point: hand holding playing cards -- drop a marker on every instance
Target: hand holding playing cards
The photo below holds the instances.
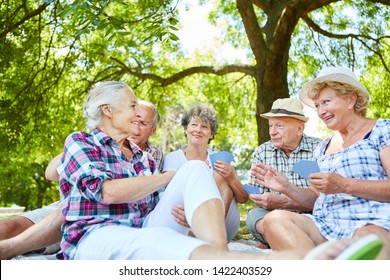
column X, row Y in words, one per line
column 223, row 169
column 268, row 201
column 328, row 182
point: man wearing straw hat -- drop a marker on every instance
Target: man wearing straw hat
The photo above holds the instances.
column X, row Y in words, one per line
column 287, row 146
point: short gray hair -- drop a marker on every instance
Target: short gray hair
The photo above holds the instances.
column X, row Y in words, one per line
column 206, row 113
column 103, row 93
column 156, row 114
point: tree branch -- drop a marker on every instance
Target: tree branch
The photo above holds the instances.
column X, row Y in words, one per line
column 219, row 71
column 319, row 30
column 252, row 29
column 384, row 2
column 359, row 37
column 26, row 17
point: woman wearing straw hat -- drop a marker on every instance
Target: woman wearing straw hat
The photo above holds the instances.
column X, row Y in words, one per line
column 353, row 186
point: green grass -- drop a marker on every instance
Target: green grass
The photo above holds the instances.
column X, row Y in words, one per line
column 243, row 231
column 7, row 216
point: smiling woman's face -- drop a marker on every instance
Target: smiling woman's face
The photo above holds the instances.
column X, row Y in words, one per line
column 332, row 109
column 124, row 117
column 198, row 131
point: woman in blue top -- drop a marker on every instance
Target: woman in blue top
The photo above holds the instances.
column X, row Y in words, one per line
column 351, row 194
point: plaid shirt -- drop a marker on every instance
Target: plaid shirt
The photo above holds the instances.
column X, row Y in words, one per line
column 157, row 155
column 340, row 215
column 270, row 155
column 88, row 160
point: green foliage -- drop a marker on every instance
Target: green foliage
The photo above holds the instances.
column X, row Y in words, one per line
column 378, row 82
column 48, row 66
column 354, row 38
column 118, row 18
column 50, row 61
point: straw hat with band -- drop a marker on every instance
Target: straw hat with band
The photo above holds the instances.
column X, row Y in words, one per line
column 286, row 107
column 334, row 74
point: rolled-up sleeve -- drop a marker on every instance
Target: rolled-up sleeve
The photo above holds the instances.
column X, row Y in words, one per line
column 83, row 168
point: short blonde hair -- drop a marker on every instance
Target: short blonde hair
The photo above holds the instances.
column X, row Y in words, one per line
column 342, row 90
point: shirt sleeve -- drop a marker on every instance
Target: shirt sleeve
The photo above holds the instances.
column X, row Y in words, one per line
column 82, row 168
column 384, row 136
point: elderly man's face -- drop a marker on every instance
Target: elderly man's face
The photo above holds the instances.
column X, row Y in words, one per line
column 146, row 129
column 285, row 132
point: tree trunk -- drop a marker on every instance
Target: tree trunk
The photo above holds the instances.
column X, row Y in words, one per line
column 271, row 85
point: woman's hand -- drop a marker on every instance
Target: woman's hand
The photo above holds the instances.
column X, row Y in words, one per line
column 328, row 182
column 224, row 169
column 179, row 215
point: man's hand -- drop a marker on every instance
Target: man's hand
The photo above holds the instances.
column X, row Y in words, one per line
column 268, row 201
column 270, row 178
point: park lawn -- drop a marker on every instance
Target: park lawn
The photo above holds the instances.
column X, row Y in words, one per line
column 243, row 232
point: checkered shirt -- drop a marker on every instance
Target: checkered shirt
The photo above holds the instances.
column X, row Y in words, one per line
column 88, row 160
column 268, row 154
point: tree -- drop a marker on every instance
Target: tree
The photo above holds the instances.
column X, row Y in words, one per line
column 378, row 82
column 52, row 52
column 43, row 84
column 272, row 26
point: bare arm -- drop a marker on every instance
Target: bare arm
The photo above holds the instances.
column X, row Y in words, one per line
column 51, row 170
column 236, row 186
column 272, row 201
column 118, row 191
column 38, row 236
column 378, row 190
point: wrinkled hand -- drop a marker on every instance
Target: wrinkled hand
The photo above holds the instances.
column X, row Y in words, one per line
column 179, row 215
column 327, row 182
column 270, row 178
column 224, row 169
column 268, row 201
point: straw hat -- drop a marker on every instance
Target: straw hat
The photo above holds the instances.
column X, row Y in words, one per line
column 286, row 107
column 335, row 74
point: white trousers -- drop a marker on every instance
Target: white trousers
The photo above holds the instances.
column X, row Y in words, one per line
column 195, row 196
column 161, row 236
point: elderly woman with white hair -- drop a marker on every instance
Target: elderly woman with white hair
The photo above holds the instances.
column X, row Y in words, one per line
column 353, row 186
column 111, row 189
